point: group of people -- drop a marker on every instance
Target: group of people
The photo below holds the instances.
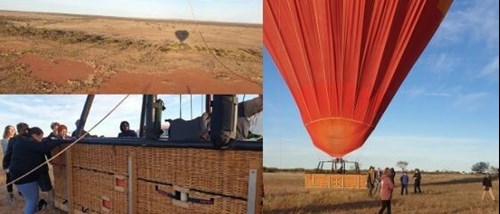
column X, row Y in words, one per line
column 23, row 153
column 382, row 181
column 374, row 178
column 27, row 149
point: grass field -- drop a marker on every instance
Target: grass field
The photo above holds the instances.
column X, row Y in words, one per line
column 442, row 193
column 62, row 53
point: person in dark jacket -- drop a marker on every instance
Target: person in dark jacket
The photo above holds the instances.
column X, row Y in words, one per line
column 22, row 128
column 246, row 110
column 417, row 177
column 126, row 132
column 83, row 133
column 405, row 180
column 487, row 187
column 28, row 153
column 54, row 126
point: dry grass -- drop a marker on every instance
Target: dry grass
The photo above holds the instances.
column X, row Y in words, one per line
column 446, row 193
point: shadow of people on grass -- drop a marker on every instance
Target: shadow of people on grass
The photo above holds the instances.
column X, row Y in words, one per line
column 459, row 181
column 332, row 208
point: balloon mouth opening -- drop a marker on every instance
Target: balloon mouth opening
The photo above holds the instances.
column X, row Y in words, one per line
column 338, row 136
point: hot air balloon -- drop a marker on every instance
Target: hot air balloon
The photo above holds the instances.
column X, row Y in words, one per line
column 344, row 60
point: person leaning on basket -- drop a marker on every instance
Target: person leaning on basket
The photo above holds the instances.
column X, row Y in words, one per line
column 126, row 131
column 28, row 153
column 246, row 110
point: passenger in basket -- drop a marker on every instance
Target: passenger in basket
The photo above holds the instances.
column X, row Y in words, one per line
column 246, row 110
column 27, row 154
column 126, row 132
column 82, row 133
column 54, row 126
column 62, row 132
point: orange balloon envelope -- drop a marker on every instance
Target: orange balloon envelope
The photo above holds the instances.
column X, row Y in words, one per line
column 344, row 60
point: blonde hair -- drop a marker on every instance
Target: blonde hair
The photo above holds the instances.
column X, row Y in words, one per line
column 7, row 129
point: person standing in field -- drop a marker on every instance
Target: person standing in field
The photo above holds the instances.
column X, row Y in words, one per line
column 370, row 178
column 386, row 191
column 487, row 187
column 405, row 180
column 417, row 177
column 378, row 177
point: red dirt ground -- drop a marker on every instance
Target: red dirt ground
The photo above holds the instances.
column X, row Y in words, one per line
column 177, row 82
column 58, row 71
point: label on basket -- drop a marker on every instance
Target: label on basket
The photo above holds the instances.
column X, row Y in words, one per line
column 106, row 204
column 120, row 183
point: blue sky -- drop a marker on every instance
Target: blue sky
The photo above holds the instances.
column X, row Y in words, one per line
column 41, row 110
column 444, row 116
column 244, row 11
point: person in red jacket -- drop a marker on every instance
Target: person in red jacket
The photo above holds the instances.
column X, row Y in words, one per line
column 386, row 191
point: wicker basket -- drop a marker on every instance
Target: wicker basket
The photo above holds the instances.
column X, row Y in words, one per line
column 221, row 172
column 150, row 200
column 100, row 179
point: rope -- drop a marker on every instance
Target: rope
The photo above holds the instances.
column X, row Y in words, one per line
column 70, row 145
column 211, row 53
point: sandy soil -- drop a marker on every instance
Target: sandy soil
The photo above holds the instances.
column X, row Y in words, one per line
column 57, row 53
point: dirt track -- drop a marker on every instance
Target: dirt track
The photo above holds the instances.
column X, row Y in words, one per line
column 56, row 53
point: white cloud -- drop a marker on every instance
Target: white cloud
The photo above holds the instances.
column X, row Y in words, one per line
column 471, row 101
column 421, row 91
column 471, row 20
column 490, row 69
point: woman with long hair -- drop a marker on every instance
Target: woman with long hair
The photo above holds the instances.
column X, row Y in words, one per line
column 28, row 153
column 8, row 133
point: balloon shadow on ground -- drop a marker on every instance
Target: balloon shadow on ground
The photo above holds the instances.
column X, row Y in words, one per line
column 182, row 35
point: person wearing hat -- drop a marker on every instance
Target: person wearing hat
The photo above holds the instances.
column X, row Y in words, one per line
column 126, row 132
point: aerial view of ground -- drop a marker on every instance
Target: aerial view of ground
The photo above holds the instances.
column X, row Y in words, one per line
column 64, row 53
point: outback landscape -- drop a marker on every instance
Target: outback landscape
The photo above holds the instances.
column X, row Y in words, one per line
column 62, row 53
column 441, row 193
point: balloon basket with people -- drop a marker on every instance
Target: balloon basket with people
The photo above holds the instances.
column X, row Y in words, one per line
column 213, row 172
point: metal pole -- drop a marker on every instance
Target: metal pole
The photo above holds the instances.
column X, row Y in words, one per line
column 149, row 116
column 208, row 103
column 84, row 115
column 143, row 116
